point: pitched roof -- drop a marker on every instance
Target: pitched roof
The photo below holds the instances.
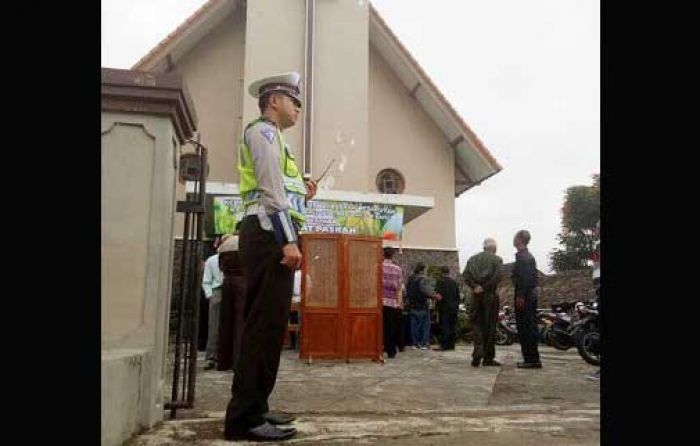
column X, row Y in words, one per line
column 207, row 16
column 473, row 161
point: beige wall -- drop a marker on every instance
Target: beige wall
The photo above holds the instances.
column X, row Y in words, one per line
column 402, row 136
column 340, row 92
column 274, row 44
column 213, row 73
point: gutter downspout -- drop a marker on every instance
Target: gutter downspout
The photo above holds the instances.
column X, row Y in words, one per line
column 307, row 134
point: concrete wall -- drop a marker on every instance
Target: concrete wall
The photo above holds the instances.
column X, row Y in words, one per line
column 124, row 376
column 403, row 137
column 139, row 162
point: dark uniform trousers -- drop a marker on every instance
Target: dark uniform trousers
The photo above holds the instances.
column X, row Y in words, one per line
column 485, row 320
column 269, row 286
column 526, row 321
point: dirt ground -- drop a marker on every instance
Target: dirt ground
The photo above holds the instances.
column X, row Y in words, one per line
column 418, row 398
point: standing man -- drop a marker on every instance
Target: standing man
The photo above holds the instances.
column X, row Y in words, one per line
column 232, row 303
column 212, row 280
column 391, row 296
column 447, row 287
column 274, row 195
column 524, row 278
column 417, row 293
column 483, row 274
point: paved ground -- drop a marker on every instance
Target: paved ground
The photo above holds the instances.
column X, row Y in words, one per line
column 419, row 398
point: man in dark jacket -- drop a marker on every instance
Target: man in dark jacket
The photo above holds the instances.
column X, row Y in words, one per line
column 418, row 291
column 483, row 274
column 447, row 307
column 524, row 278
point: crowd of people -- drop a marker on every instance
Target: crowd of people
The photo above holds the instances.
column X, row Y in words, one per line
column 482, row 274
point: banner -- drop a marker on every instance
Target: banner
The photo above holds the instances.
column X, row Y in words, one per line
column 228, row 211
column 342, row 217
column 383, row 220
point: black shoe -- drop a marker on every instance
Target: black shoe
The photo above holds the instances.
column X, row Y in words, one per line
column 264, row 432
column 529, row 365
column 492, row 362
column 278, row 418
column 476, row 362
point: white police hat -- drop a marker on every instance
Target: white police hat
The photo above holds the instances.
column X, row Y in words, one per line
column 287, row 83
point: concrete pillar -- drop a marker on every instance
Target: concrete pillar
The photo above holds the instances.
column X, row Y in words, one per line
column 275, row 44
column 145, row 119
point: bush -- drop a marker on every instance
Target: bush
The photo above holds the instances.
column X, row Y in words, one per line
column 464, row 327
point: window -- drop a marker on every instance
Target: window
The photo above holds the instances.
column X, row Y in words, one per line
column 390, row 181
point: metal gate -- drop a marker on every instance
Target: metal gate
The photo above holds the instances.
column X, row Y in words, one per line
column 185, row 304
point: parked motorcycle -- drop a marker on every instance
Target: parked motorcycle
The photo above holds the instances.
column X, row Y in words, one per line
column 588, row 341
column 506, row 330
column 563, row 333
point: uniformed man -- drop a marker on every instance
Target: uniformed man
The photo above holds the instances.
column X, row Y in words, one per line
column 274, row 194
column 483, row 274
column 524, row 278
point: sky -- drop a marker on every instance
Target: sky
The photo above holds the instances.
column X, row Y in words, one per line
column 524, row 75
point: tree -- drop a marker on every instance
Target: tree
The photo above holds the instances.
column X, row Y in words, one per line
column 580, row 213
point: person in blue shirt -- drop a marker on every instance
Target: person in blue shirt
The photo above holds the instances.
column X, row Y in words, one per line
column 212, row 280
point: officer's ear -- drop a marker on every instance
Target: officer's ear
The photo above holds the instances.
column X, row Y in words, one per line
column 274, row 101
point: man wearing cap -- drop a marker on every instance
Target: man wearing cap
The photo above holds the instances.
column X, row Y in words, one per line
column 274, row 194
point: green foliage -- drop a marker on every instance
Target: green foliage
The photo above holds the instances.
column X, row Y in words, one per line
column 581, row 209
column 464, row 327
column 580, row 213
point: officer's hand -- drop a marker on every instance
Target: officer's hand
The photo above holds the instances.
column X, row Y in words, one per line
column 292, row 256
column 520, row 302
column 311, row 188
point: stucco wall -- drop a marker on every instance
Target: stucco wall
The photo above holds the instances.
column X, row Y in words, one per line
column 402, row 136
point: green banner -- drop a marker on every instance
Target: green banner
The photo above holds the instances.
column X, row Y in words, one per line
column 341, row 217
column 228, row 211
column 383, row 220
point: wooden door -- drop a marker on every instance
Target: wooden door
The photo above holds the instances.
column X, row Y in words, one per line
column 363, row 291
column 341, row 304
column 321, row 296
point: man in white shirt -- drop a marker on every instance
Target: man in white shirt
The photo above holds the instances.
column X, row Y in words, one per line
column 212, row 280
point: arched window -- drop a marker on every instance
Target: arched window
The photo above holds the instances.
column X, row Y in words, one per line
column 390, row 181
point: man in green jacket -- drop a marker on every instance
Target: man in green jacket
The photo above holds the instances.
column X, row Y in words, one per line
column 483, row 274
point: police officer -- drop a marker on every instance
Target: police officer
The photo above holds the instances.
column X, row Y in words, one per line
column 274, row 195
column 483, row 274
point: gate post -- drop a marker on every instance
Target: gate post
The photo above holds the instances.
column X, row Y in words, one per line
column 145, row 119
